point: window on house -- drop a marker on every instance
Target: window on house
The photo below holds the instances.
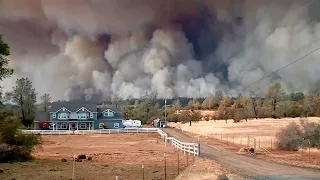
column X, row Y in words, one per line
column 116, row 125
column 82, row 116
column 108, row 113
column 64, row 126
column 73, row 115
column 63, row 116
column 83, row 125
column 101, row 125
column 91, row 115
column 54, row 115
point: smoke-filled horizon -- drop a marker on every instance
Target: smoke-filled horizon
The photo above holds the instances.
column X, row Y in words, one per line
column 96, row 49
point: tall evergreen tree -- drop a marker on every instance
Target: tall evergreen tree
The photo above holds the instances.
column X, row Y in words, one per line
column 45, row 102
column 274, row 96
column 24, row 96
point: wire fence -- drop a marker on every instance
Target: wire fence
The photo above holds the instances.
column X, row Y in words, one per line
column 250, row 141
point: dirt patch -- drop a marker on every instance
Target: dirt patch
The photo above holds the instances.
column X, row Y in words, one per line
column 111, row 148
column 52, row 170
column 112, row 155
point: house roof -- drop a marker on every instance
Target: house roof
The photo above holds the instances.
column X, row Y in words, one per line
column 113, row 109
column 42, row 116
column 73, row 106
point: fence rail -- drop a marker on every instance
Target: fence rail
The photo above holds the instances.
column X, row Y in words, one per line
column 191, row 148
column 99, row 131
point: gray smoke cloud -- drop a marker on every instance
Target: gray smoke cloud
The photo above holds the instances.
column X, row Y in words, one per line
column 96, row 50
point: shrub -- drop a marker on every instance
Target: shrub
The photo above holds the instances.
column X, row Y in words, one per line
column 296, row 136
column 15, row 146
column 310, row 133
column 290, row 137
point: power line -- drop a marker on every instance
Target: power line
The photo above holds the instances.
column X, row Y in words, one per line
column 283, row 67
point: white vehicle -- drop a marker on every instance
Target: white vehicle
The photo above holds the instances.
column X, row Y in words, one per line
column 131, row 123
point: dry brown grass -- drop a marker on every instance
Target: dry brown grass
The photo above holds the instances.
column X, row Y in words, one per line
column 204, row 169
column 111, row 148
column 233, row 136
column 113, row 154
column 264, row 130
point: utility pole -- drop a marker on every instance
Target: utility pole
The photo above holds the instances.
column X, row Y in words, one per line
column 165, row 112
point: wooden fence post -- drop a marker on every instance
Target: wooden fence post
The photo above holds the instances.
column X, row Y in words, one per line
column 142, row 172
column 178, row 163
column 74, row 160
column 187, row 160
column 165, row 167
column 198, row 147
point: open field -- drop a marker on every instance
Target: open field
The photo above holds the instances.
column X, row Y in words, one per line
column 264, row 130
column 112, row 155
column 233, row 136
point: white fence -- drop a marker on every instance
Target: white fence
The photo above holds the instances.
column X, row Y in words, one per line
column 191, row 148
column 100, row 131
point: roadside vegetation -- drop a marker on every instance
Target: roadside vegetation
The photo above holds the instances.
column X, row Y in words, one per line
column 296, row 136
column 15, row 146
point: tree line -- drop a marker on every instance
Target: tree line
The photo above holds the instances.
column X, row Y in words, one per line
column 276, row 103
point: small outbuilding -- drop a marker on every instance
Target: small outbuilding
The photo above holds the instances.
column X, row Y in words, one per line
column 159, row 123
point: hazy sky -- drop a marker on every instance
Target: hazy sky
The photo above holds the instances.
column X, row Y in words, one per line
column 95, row 49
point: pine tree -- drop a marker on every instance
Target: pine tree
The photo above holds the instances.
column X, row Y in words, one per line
column 177, row 105
column 274, row 96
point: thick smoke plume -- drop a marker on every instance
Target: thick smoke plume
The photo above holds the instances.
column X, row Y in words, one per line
column 99, row 49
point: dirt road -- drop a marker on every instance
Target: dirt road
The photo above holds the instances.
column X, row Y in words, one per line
column 249, row 166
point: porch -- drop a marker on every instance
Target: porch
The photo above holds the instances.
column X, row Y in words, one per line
column 71, row 125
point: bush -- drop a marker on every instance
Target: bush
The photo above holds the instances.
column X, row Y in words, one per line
column 310, row 134
column 15, row 146
column 296, row 136
column 290, row 137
